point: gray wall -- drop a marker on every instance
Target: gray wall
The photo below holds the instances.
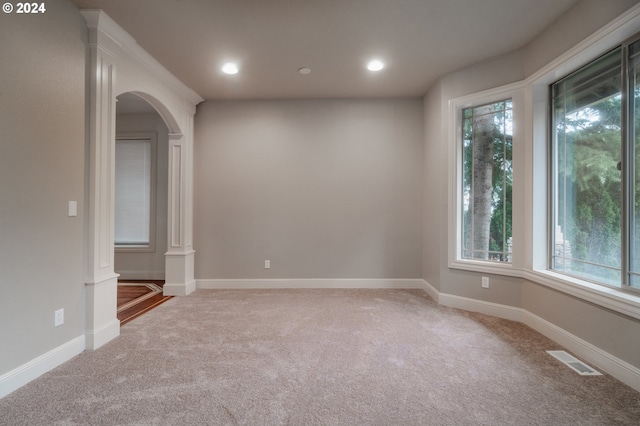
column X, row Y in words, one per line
column 148, row 265
column 609, row 331
column 434, row 187
column 582, row 20
column 612, row 332
column 486, row 75
column 42, row 116
column 322, row 188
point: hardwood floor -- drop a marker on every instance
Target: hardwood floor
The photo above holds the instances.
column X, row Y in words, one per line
column 135, row 297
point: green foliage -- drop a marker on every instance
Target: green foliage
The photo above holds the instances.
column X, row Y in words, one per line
column 502, row 179
column 589, row 189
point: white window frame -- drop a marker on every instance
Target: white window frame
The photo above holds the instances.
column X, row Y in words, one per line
column 515, row 92
column 151, row 247
column 538, row 191
column 531, row 150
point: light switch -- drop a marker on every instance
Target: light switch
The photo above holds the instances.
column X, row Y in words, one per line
column 73, row 208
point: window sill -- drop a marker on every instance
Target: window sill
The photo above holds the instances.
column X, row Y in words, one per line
column 486, row 267
column 134, row 249
column 618, row 300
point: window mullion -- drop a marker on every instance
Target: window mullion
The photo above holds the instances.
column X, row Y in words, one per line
column 626, row 167
column 471, row 214
column 505, row 248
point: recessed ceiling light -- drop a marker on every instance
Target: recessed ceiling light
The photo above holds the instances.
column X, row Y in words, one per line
column 304, row 70
column 230, row 68
column 375, row 65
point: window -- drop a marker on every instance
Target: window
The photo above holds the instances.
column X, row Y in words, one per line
column 595, row 181
column 633, row 165
column 134, row 193
column 487, row 181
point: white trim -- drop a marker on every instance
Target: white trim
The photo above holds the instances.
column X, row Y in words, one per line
column 99, row 336
column 102, row 280
column 179, row 272
column 621, row 370
column 96, row 18
column 102, row 323
column 486, row 267
column 431, row 291
column 141, row 275
column 33, row 369
column 487, row 96
column 401, row 283
column 176, row 180
column 180, row 289
column 611, row 298
column 515, row 92
column 481, row 306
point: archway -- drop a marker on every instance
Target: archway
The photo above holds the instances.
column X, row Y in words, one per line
column 113, row 51
column 141, row 190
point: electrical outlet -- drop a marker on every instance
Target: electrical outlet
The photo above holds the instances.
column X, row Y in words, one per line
column 267, row 264
column 58, row 318
column 485, row 282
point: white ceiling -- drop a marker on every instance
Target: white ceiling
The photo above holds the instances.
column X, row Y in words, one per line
column 420, row 40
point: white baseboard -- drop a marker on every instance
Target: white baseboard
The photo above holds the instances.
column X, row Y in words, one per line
column 140, row 275
column 487, row 308
column 621, row 370
column 25, row 373
column 172, row 289
column 431, row 291
column 310, row 283
column 98, row 337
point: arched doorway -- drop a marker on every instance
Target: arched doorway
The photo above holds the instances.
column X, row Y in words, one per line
column 141, row 190
column 113, row 51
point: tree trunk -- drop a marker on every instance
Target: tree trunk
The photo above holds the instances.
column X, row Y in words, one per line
column 484, row 130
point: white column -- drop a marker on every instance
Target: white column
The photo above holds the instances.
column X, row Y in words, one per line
column 102, row 323
column 179, row 259
column 112, row 47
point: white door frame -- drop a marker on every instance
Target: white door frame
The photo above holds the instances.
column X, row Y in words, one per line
column 119, row 65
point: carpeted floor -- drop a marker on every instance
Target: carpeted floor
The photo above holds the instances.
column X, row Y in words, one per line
column 320, row 357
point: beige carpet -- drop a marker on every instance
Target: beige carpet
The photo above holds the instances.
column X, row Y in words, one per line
column 323, row 357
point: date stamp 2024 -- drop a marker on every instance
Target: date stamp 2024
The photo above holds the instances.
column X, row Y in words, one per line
column 24, row 8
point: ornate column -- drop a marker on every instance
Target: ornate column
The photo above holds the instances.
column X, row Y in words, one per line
column 113, row 49
column 179, row 259
column 102, row 323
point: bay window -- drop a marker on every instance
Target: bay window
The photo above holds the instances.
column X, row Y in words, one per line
column 595, row 232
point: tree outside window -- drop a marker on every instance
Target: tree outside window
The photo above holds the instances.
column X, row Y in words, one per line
column 487, row 180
